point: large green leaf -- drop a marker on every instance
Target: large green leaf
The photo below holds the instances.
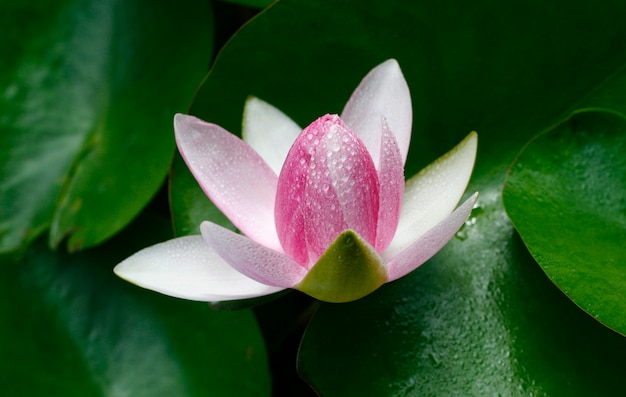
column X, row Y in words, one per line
column 566, row 195
column 480, row 318
column 88, row 92
column 69, row 327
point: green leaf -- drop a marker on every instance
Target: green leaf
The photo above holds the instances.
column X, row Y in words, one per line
column 251, row 3
column 69, row 327
column 566, row 195
column 88, row 90
column 479, row 318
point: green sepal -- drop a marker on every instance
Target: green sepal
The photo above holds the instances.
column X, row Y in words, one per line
column 349, row 270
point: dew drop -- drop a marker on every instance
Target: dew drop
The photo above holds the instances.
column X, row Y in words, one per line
column 461, row 234
column 470, row 221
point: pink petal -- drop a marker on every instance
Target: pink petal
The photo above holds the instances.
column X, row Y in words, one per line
column 430, row 243
column 187, row 268
column 391, row 175
column 432, row 194
column 382, row 93
column 268, row 131
column 233, row 175
column 253, row 260
column 289, row 209
column 328, row 184
column 323, row 214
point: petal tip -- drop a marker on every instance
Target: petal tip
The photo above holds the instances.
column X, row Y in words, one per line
column 120, row 270
column 391, row 64
column 250, row 105
column 254, row 100
column 181, row 118
column 472, row 138
column 184, row 124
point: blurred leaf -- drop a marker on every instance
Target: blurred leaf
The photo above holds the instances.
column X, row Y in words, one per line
column 566, row 195
column 88, row 90
column 251, row 3
column 491, row 320
column 69, row 327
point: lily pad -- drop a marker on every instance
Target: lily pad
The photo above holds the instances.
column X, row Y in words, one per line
column 69, row 327
column 88, row 90
column 566, row 195
column 481, row 317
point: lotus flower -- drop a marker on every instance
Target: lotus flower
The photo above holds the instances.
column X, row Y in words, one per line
column 323, row 210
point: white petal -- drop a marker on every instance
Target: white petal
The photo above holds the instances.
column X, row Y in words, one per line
column 268, row 131
column 186, row 267
column 432, row 194
column 383, row 92
column 430, row 242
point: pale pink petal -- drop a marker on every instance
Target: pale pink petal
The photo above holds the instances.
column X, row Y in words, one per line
column 188, row 268
column 328, row 184
column 268, row 131
column 429, row 243
column 432, row 194
column 233, row 175
column 254, row 260
column 383, row 92
column 391, row 176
